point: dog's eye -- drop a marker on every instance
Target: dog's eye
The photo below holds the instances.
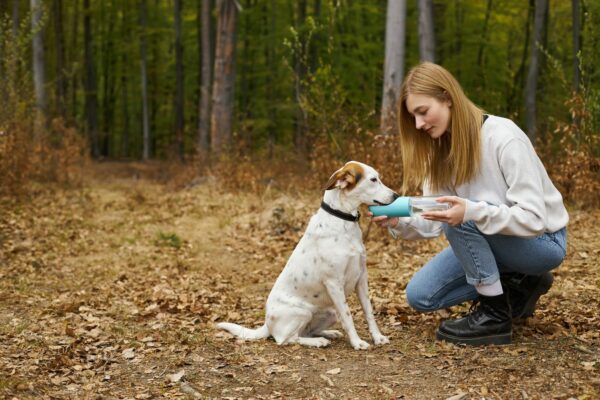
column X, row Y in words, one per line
column 373, row 179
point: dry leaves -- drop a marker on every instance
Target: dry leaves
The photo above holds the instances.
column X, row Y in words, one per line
column 92, row 303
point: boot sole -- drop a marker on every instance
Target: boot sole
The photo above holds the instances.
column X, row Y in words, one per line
column 498, row 339
column 542, row 288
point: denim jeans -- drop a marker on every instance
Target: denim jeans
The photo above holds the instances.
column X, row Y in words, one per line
column 474, row 258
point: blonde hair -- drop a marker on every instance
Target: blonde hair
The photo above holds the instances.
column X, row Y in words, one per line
column 455, row 157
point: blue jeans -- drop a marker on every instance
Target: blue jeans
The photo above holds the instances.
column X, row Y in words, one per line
column 474, row 258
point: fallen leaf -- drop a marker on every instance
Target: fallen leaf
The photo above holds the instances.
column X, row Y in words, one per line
column 176, row 377
column 326, row 379
column 128, row 353
column 458, row 396
column 590, row 365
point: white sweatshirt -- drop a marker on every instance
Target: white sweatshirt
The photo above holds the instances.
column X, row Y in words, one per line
column 511, row 195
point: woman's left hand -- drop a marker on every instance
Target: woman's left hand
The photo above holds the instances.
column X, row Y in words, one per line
column 453, row 216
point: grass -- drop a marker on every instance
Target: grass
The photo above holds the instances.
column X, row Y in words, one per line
column 169, row 239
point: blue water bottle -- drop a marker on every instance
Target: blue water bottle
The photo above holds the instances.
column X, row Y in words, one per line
column 409, row 206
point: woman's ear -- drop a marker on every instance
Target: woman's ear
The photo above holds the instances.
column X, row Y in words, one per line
column 446, row 98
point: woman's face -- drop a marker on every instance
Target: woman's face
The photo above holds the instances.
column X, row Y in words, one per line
column 432, row 116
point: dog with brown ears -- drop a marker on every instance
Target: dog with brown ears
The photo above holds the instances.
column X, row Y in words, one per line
column 328, row 264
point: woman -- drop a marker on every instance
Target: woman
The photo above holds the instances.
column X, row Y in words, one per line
column 507, row 222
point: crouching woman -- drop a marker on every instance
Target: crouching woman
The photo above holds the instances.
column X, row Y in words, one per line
column 506, row 224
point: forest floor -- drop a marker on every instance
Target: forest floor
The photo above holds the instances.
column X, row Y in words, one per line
column 111, row 291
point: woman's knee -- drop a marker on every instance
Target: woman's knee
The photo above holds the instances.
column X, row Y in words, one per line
column 418, row 298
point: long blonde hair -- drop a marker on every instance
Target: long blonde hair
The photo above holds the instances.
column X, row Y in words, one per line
column 455, row 157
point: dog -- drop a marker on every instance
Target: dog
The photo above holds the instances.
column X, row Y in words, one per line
column 327, row 265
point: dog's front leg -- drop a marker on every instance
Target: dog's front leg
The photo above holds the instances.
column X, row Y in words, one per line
column 338, row 297
column 362, row 290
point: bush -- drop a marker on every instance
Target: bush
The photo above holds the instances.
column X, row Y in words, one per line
column 56, row 153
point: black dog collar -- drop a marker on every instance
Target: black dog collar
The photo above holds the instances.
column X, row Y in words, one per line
column 340, row 214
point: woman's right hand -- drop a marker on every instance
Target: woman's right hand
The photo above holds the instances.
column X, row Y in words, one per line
column 384, row 221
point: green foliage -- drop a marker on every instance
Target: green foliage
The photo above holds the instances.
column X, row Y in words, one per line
column 16, row 101
column 335, row 52
column 169, row 239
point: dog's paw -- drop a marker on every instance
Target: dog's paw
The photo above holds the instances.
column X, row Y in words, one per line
column 360, row 344
column 311, row 341
column 320, row 342
column 331, row 334
column 379, row 339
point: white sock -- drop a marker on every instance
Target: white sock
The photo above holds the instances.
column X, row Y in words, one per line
column 493, row 289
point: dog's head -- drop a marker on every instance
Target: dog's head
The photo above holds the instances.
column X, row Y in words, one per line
column 362, row 183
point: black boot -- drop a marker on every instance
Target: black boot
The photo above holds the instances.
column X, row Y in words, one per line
column 489, row 323
column 524, row 291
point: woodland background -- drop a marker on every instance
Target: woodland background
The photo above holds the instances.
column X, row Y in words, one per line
column 159, row 160
column 287, row 80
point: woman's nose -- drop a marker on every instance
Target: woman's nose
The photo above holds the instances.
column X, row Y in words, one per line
column 419, row 122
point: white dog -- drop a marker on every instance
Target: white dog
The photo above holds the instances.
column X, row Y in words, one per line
column 328, row 264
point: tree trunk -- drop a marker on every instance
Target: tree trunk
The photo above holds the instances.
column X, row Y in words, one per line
column 426, row 30
column 533, row 73
column 481, row 70
column 224, row 79
column 38, row 67
column 91, row 95
column 246, row 82
column 395, row 42
column 75, row 76
column 14, row 63
column 576, row 10
column 108, row 61
column 518, row 84
column 270, row 90
column 486, row 23
column 125, row 27
column 205, row 85
column 15, row 18
column 144, row 82
column 125, row 140
column 316, row 39
column 300, row 140
column 61, row 80
column 179, row 116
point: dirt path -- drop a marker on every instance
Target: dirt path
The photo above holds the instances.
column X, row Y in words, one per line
column 112, row 292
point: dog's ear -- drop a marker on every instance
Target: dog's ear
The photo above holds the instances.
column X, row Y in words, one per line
column 345, row 178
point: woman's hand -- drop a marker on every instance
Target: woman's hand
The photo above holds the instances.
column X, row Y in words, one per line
column 384, row 221
column 453, row 216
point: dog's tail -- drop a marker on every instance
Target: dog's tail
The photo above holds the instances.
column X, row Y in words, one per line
column 245, row 333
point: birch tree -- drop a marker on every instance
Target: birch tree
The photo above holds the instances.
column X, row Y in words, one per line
column 395, row 43
column 426, row 31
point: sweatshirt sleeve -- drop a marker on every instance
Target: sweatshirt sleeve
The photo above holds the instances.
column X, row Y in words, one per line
column 413, row 228
column 526, row 215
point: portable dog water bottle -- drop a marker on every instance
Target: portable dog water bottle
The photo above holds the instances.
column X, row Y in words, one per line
column 409, row 206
